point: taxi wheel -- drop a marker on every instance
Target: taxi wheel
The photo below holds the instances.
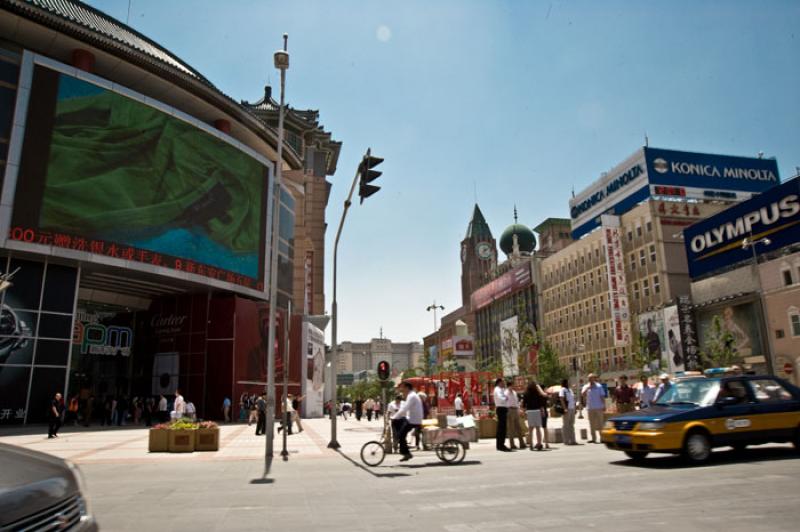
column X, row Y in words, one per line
column 636, row 456
column 697, row 448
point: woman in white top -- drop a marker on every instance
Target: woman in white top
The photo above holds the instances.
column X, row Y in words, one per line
column 567, row 399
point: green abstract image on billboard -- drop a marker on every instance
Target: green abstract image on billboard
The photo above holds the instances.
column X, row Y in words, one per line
column 110, row 175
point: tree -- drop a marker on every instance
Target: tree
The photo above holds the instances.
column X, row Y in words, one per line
column 639, row 357
column 550, row 370
column 718, row 351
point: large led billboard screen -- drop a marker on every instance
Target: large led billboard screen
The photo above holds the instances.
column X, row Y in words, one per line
column 106, row 173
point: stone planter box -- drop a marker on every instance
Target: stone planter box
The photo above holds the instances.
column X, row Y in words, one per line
column 206, row 440
column 488, row 428
column 181, row 441
column 158, row 441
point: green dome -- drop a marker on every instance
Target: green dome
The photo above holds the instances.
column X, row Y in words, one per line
column 525, row 237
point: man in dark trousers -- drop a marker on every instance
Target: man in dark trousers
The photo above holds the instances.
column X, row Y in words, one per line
column 54, row 416
column 261, row 407
column 501, row 409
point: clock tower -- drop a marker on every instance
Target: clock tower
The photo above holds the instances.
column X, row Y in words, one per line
column 478, row 256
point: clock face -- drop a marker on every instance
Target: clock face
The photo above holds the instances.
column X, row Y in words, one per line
column 484, row 250
column 463, row 253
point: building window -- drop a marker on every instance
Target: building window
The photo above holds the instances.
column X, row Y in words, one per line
column 652, row 253
column 649, row 226
column 630, row 235
column 646, row 287
column 794, row 319
column 633, row 261
column 656, row 285
column 635, row 290
column 642, row 259
column 638, row 230
column 787, row 277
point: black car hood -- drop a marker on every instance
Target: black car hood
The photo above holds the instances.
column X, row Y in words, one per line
column 31, row 481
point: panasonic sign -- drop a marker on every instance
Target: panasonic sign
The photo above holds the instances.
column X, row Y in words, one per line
column 772, row 218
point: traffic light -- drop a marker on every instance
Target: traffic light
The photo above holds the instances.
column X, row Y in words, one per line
column 383, row 370
column 367, row 174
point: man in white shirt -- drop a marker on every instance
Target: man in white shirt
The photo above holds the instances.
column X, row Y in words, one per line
column 411, row 411
column 459, row 405
column 663, row 388
column 645, row 394
column 163, row 415
column 391, row 409
column 595, row 400
column 514, row 425
column 180, row 404
column 501, row 409
column 567, row 399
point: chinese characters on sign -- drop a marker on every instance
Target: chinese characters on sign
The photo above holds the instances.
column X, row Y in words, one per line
column 9, row 414
column 688, row 332
column 110, row 249
column 617, row 288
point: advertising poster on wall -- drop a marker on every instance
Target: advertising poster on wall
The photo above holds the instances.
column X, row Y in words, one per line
column 313, row 371
column 689, row 340
column 165, row 373
column 107, row 174
column 676, row 360
column 741, row 321
column 617, row 285
column 651, row 328
column 509, row 342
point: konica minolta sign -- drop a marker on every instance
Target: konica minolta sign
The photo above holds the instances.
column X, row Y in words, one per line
column 651, row 171
column 772, row 217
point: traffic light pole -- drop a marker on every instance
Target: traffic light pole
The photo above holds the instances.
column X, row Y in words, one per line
column 334, row 443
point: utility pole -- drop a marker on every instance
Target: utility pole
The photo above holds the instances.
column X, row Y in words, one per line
column 281, row 58
column 286, row 419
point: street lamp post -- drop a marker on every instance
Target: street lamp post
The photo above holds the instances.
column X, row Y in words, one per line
column 281, row 59
column 434, row 307
column 750, row 243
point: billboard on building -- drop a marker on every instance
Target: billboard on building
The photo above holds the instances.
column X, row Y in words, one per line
column 682, row 175
column 772, row 217
column 509, row 345
column 617, row 286
column 508, row 283
column 651, row 329
column 741, row 320
column 108, row 173
column 676, row 359
column 313, row 370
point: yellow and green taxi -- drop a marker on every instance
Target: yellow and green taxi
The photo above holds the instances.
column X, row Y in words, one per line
column 697, row 414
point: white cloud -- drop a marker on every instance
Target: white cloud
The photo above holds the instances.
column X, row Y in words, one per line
column 383, row 33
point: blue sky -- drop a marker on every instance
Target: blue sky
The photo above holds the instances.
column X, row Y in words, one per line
column 520, row 100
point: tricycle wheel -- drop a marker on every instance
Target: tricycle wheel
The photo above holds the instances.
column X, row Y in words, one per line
column 451, row 452
column 373, row 453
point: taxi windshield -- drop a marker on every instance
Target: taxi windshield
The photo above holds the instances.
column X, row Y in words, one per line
column 699, row 392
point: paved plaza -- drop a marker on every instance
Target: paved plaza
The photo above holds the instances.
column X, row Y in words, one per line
column 584, row 487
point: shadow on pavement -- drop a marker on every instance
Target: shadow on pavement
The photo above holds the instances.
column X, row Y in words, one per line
column 438, row 464
column 718, row 458
column 262, row 481
column 370, row 471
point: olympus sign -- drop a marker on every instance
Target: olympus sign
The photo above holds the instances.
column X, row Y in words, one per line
column 768, row 215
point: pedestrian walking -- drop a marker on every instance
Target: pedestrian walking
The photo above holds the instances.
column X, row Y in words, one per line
column 261, row 413
column 286, row 420
column 72, row 411
column 369, row 404
column 514, row 423
column 458, row 404
column 624, row 396
column 377, row 408
column 533, row 401
column 296, row 406
column 88, row 411
column 396, row 424
column 411, row 412
column 501, row 410
column 114, row 411
column 54, row 412
column 226, row 409
column 179, row 406
column 646, row 393
column 359, row 409
column 163, row 409
column 191, row 411
column 253, row 408
column 567, row 399
column 594, row 398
